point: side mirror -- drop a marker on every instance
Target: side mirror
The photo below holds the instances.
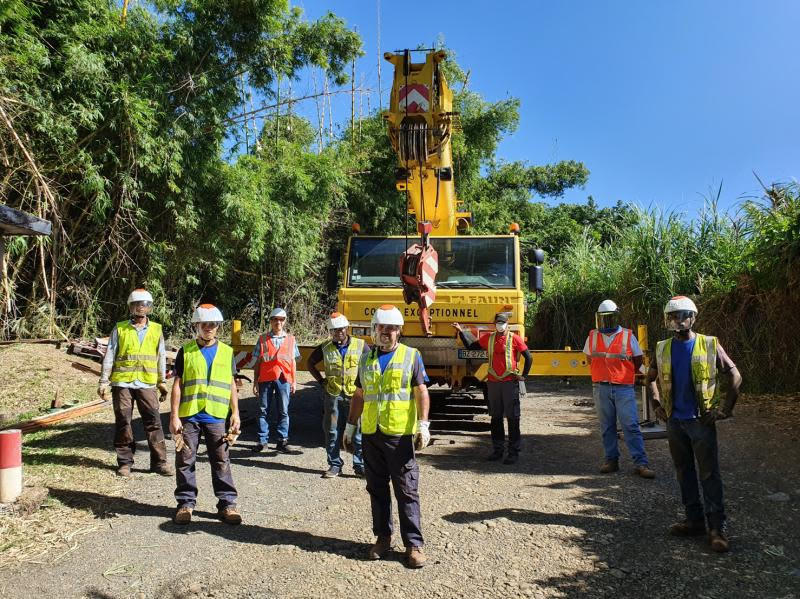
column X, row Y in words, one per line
column 535, row 279
column 538, row 256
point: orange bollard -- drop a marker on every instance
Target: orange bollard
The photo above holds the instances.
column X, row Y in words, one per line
column 10, row 465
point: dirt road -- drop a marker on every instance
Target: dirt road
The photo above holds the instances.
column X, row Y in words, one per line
column 548, row 526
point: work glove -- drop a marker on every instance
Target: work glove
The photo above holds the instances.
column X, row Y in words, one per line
column 423, row 436
column 713, row 415
column 163, row 391
column 104, row 391
column 347, row 438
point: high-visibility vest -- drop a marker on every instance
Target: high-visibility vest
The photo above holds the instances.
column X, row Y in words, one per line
column 510, row 364
column 274, row 362
column 388, row 398
column 134, row 361
column 704, row 373
column 201, row 391
column 612, row 364
column 341, row 373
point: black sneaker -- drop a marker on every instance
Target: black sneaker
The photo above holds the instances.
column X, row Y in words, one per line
column 358, row 471
column 284, row 447
column 260, row 448
column 511, row 458
column 495, row 455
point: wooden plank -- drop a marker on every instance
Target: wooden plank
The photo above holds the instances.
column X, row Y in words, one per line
column 17, row 222
column 46, row 420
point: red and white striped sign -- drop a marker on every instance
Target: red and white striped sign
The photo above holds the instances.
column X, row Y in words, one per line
column 244, row 359
column 10, row 465
column 414, row 98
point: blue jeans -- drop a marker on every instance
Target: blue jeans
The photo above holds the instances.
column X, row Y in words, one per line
column 691, row 440
column 273, row 393
column 619, row 401
column 334, row 420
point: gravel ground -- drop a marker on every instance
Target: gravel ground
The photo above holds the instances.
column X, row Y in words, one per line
column 548, row 526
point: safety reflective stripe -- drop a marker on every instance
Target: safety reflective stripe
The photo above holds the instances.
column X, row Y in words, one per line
column 137, row 369
column 225, row 386
column 123, row 357
column 508, row 356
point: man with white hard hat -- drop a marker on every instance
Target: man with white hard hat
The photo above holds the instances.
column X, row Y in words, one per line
column 615, row 357
column 275, row 370
column 391, row 398
column 340, row 355
column 203, row 395
column 135, row 366
column 685, row 392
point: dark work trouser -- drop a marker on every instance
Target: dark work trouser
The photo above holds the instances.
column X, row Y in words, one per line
column 146, row 401
column 691, row 440
column 503, row 399
column 387, row 457
column 221, row 477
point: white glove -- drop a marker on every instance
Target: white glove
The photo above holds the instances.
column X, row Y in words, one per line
column 347, row 439
column 423, row 437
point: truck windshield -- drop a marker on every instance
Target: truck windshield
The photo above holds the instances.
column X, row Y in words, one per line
column 464, row 262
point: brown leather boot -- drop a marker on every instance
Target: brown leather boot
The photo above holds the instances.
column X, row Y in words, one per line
column 183, row 515
column 609, row 466
column 124, row 471
column 688, row 528
column 415, row 558
column 718, row 541
column 380, row 548
column 229, row 515
column 162, row 468
column 644, row 472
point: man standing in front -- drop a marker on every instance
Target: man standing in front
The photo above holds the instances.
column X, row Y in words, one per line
column 203, row 395
column 341, row 355
column 504, row 349
column 615, row 357
column 687, row 369
column 135, row 365
column 275, row 371
column 391, row 398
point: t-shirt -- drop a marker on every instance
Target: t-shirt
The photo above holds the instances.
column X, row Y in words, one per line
column 209, row 352
column 609, row 337
column 418, row 374
column 499, row 358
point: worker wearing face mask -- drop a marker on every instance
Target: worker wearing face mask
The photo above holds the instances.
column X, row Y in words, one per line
column 615, row 357
column 504, row 348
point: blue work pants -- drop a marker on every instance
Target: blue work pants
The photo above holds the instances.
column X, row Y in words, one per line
column 273, row 398
column 614, row 402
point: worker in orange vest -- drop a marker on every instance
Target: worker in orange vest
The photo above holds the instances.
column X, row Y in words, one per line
column 615, row 357
column 503, row 386
column 275, row 370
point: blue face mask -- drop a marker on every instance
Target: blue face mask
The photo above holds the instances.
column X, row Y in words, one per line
column 608, row 330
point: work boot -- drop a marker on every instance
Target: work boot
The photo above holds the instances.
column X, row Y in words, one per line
column 259, row 448
column 511, row 458
column 609, row 466
column 644, row 471
column 124, row 470
column 331, row 472
column 358, row 471
column 496, row 454
column 380, row 548
column 688, row 528
column 718, row 541
column 183, row 515
column 284, row 447
column 415, row 557
column 163, row 469
column 229, row 515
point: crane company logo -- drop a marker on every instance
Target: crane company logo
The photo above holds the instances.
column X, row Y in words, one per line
column 414, row 98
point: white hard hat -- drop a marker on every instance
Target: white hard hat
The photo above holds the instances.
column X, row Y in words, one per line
column 679, row 303
column 207, row 313
column 140, row 295
column 388, row 314
column 607, row 306
column 277, row 313
column 338, row 320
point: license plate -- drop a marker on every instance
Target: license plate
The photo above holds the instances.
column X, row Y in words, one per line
column 472, row 354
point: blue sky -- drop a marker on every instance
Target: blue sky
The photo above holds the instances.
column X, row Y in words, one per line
column 661, row 100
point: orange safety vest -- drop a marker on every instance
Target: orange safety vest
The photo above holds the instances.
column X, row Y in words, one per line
column 274, row 362
column 612, row 364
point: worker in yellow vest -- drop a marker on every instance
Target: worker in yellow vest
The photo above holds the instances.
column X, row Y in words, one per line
column 135, row 366
column 340, row 355
column 203, row 395
column 685, row 392
column 615, row 357
column 504, row 348
column 391, row 398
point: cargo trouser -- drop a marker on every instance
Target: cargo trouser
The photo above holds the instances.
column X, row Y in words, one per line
column 388, row 457
column 503, row 399
column 218, row 457
column 146, row 400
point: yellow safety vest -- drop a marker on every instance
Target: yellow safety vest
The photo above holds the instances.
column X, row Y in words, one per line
column 704, row 372
column 509, row 357
column 135, row 361
column 201, row 392
column 340, row 374
column 388, row 398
